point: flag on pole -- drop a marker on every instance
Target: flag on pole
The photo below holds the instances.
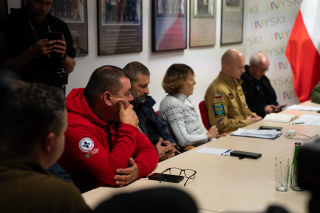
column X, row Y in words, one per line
column 303, row 49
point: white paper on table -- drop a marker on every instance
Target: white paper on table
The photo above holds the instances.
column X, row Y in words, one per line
column 312, row 120
column 279, row 117
column 303, row 108
column 257, row 133
column 212, row 151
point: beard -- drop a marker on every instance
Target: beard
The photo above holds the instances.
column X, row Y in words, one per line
column 140, row 99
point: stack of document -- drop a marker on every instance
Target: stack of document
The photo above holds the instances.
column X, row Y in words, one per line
column 214, row 151
column 312, row 120
column 279, row 117
column 257, row 133
column 305, row 108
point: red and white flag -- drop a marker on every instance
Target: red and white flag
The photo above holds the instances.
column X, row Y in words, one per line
column 303, row 49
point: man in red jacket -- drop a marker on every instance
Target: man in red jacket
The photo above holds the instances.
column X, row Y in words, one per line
column 104, row 145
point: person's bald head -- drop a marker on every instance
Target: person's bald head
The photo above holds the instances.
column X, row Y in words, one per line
column 259, row 64
column 233, row 62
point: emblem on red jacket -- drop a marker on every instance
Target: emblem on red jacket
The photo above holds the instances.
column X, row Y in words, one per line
column 86, row 145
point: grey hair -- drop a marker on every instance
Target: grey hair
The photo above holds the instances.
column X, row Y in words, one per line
column 254, row 59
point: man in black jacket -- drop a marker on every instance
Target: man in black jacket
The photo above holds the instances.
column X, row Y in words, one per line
column 260, row 96
column 37, row 46
column 149, row 122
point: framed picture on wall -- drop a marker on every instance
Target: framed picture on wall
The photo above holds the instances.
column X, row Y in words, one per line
column 3, row 9
column 119, row 26
column 74, row 13
column 231, row 21
column 169, row 25
column 202, row 30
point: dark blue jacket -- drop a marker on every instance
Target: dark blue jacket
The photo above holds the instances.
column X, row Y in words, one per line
column 150, row 114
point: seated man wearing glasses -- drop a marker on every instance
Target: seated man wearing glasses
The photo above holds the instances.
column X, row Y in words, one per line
column 103, row 144
column 260, row 96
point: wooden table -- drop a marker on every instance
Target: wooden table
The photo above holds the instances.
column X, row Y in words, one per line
column 228, row 184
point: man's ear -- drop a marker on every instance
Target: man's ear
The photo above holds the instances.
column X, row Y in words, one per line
column 107, row 97
column 48, row 142
column 227, row 66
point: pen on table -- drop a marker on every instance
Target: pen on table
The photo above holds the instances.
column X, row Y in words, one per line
column 297, row 123
column 219, row 122
column 226, row 152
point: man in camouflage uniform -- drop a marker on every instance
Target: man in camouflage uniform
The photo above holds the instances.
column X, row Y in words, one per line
column 224, row 97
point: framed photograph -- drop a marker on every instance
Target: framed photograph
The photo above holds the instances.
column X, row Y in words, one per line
column 169, row 25
column 231, row 22
column 119, row 26
column 74, row 13
column 3, row 9
column 202, row 30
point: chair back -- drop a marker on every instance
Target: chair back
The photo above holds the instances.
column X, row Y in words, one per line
column 204, row 115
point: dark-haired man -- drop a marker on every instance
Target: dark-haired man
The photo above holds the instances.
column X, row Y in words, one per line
column 38, row 47
column 32, row 125
column 103, row 144
column 149, row 122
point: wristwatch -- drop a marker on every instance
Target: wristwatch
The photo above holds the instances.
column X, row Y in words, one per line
column 64, row 56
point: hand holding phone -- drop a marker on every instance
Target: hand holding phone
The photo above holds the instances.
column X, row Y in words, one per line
column 55, row 36
column 280, row 107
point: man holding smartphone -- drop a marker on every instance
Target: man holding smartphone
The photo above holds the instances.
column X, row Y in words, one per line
column 37, row 46
column 260, row 95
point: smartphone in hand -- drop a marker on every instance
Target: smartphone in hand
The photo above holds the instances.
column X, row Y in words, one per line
column 281, row 106
column 55, row 36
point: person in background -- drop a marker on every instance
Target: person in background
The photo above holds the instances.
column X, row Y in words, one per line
column 143, row 200
column 315, row 94
column 149, row 122
column 38, row 47
column 177, row 110
column 32, row 125
column 104, row 145
column 224, row 97
column 260, row 95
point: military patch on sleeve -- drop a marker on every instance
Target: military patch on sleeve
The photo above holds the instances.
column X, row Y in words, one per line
column 231, row 95
column 218, row 109
column 240, row 92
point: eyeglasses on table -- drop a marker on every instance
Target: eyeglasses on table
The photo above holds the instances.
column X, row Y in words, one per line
column 188, row 173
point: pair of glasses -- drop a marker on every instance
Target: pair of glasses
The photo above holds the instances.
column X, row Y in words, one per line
column 188, row 173
column 262, row 69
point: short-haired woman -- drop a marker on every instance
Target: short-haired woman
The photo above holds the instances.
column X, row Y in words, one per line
column 177, row 110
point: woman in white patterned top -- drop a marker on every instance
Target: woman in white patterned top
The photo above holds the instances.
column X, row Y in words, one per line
column 177, row 110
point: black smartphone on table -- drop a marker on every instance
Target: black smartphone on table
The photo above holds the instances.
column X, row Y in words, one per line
column 166, row 177
column 242, row 154
column 278, row 128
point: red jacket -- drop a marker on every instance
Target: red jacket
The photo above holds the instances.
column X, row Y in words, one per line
column 87, row 156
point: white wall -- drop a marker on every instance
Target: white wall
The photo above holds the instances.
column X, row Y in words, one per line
column 205, row 60
column 268, row 27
